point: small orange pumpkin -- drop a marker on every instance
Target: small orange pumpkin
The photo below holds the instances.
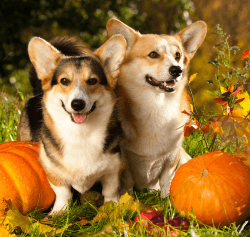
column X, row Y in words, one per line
column 215, row 187
column 22, row 178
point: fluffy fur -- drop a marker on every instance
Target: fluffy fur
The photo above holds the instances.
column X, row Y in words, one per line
column 77, row 142
column 151, row 94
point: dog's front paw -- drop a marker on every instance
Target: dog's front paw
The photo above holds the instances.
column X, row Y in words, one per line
column 114, row 198
column 57, row 211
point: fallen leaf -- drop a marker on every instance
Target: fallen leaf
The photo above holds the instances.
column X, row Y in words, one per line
column 3, row 231
column 92, row 197
column 120, row 227
column 138, row 206
column 83, row 221
column 126, row 201
column 15, row 219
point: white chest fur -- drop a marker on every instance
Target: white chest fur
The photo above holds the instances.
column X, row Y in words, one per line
column 157, row 122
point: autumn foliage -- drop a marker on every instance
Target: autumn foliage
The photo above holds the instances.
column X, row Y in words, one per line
column 232, row 124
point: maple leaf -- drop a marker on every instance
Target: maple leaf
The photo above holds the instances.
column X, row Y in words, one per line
column 236, row 92
column 114, row 210
column 205, row 128
column 217, row 127
column 246, row 54
column 190, row 126
column 221, row 100
column 245, row 104
column 15, row 219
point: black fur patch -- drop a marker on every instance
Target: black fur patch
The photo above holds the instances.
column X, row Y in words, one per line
column 35, row 116
column 50, row 145
column 114, row 134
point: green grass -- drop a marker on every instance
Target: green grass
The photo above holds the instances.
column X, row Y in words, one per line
column 10, row 110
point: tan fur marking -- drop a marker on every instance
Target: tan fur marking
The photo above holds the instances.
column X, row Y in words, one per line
column 23, row 129
column 55, row 179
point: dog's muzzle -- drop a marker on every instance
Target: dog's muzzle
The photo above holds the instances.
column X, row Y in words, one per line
column 168, row 86
column 78, row 106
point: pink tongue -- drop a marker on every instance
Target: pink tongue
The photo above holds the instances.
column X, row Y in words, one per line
column 79, row 118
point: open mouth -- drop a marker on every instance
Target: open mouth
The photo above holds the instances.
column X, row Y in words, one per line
column 168, row 86
column 79, row 117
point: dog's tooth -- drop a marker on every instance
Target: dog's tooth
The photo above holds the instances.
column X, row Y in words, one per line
column 165, row 83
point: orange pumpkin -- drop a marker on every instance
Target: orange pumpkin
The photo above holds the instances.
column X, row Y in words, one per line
column 215, row 187
column 22, row 178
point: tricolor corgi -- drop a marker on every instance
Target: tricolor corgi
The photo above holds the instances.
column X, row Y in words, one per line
column 79, row 133
column 151, row 95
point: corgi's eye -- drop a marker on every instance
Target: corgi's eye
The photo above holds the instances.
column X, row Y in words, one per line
column 65, row 81
column 92, row 81
column 153, row 54
column 177, row 56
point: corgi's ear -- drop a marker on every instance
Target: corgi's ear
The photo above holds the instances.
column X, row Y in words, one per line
column 193, row 36
column 115, row 26
column 43, row 56
column 111, row 54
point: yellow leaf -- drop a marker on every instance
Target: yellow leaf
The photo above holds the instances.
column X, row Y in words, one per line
column 3, row 231
column 15, row 219
column 245, row 104
column 161, row 207
column 192, row 77
column 126, row 201
column 217, row 127
column 223, row 89
column 192, row 107
column 120, row 227
column 138, row 206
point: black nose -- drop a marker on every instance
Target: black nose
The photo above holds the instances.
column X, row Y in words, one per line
column 175, row 71
column 78, row 105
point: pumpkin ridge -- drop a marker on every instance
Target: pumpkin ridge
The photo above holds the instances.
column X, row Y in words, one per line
column 236, row 189
column 17, row 194
column 219, row 197
column 25, row 177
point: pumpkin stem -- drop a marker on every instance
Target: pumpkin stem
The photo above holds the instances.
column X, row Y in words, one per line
column 204, row 172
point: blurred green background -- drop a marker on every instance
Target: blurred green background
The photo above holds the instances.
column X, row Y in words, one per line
column 86, row 19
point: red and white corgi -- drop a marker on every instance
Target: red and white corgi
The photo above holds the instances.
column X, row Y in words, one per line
column 151, row 94
column 79, row 133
